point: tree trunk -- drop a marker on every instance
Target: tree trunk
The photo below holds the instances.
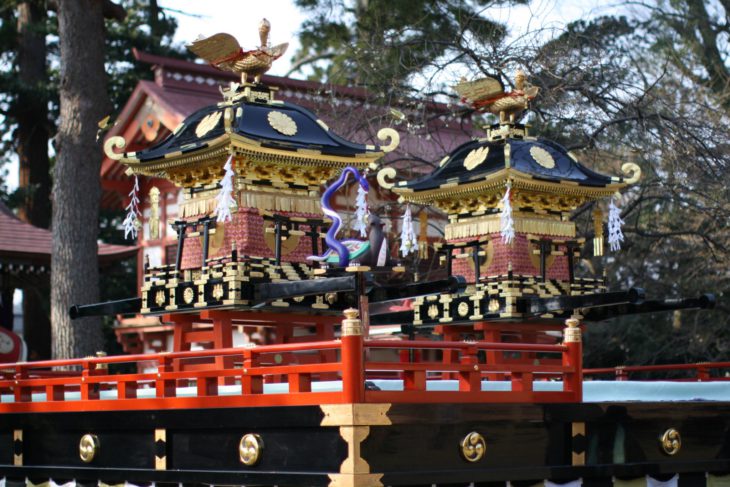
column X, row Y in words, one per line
column 31, row 112
column 77, row 189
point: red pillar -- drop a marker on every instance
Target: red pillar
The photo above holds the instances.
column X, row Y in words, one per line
column 353, row 367
column 573, row 358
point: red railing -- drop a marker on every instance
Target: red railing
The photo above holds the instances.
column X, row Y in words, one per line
column 295, row 374
column 701, row 372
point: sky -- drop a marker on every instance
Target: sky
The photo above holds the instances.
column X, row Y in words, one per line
column 241, row 18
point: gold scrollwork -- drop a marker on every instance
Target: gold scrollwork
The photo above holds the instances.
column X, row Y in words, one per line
column 113, row 143
column 386, row 172
column 282, row 123
column 671, row 442
column 389, row 133
column 88, row 447
column 633, row 171
column 473, row 447
column 250, row 449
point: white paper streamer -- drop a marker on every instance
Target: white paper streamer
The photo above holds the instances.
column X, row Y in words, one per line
column 224, row 200
column 615, row 235
column 361, row 212
column 507, row 224
column 131, row 221
column 409, row 242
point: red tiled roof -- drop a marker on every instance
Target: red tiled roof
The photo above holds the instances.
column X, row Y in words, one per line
column 22, row 241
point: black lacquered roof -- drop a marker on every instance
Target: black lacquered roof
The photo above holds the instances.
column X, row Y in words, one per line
column 251, row 120
column 524, row 155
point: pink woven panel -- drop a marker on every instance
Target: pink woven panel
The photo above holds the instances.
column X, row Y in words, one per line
column 518, row 254
column 247, row 230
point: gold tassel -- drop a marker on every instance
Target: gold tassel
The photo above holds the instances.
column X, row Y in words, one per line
column 423, row 234
column 154, row 213
column 598, row 231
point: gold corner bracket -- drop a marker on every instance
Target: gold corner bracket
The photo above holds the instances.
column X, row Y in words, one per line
column 112, row 143
column 389, row 173
column 393, row 138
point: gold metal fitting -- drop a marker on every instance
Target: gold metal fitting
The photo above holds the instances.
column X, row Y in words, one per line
column 88, row 447
column 670, row 442
column 473, row 447
column 250, row 448
column 101, row 366
column 572, row 331
column 351, row 325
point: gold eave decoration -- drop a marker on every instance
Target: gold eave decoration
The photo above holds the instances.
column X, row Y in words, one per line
column 206, row 162
column 208, row 123
column 476, row 157
column 542, row 157
column 282, row 123
column 496, row 181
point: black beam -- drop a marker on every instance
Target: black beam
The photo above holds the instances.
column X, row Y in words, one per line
column 453, row 284
column 539, row 306
column 705, row 301
column 271, row 291
column 120, row 307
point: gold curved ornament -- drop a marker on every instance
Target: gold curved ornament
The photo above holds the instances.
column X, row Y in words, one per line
column 633, row 171
column 88, row 448
column 671, row 442
column 391, row 135
column 208, row 123
column 473, row 447
column 542, row 157
column 463, row 309
column 160, row 298
column 282, row 123
column 113, row 143
column 386, row 172
column 476, row 157
column 493, row 305
column 250, row 449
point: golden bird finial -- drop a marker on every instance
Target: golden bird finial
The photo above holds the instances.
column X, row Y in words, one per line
column 224, row 52
column 488, row 94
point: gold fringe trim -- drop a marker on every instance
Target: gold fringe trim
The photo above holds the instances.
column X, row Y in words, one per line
column 261, row 201
column 491, row 224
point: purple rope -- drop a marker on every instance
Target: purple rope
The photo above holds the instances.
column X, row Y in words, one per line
column 331, row 236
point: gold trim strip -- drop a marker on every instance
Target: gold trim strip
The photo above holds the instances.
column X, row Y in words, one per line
column 18, row 459
column 161, row 462
column 579, row 429
column 491, row 224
